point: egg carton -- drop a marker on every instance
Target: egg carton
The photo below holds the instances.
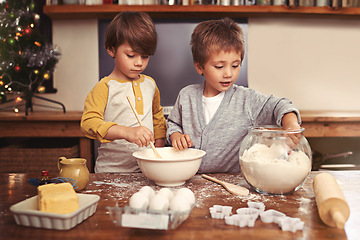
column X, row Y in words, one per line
column 147, row 219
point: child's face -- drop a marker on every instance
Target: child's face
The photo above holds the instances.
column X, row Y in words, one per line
column 128, row 63
column 220, row 71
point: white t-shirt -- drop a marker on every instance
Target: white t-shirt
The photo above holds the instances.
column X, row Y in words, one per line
column 211, row 104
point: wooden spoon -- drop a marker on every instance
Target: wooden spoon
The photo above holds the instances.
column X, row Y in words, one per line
column 157, row 155
column 234, row 189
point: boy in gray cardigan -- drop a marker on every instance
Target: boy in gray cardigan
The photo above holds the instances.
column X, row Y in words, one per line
column 215, row 116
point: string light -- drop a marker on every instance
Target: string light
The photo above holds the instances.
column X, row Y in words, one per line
column 11, row 41
column 32, row 5
column 46, row 76
column 18, row 99
column 2, row 97
column 37, row 43
column 41, row 89
column 17, row 68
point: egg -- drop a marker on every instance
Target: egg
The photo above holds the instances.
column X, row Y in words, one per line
column 148, row 191
column 159, row 203
column 186, row 194
column 167, row 192
column 179, row 204
column 139, row 201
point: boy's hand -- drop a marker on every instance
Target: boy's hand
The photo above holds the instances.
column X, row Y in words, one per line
column 141, row 136
column 290, row 122
column 181, row 141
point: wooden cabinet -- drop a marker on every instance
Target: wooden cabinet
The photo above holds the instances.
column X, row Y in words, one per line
column 196, row 11
column 331, row 123
column 49, row 124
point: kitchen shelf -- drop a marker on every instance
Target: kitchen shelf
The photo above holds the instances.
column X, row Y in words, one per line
column 195, row 11
column 331, row 123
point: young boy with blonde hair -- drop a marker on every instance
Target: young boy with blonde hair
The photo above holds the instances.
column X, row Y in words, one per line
column 130, row 40
column 215, row 116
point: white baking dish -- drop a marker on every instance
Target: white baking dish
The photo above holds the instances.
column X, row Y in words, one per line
column 26, row 213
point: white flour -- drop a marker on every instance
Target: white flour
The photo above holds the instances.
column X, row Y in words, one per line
column 113, row 184
column 266, row 169
column 305, row 205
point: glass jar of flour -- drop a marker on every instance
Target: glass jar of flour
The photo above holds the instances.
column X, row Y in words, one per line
column 275, row 161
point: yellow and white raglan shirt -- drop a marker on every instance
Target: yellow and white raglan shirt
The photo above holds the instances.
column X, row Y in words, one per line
column 106, row 105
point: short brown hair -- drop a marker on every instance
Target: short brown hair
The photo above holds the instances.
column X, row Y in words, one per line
column 136, row 28
column 215, row 35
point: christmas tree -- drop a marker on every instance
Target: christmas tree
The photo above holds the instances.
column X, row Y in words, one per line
column 26, row 58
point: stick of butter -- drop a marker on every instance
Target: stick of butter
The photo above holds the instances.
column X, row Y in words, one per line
column 57, row 198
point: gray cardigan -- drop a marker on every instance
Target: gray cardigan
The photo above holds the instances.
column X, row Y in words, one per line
column 240, row 109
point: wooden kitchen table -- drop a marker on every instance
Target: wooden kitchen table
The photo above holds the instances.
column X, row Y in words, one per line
column 117, row 188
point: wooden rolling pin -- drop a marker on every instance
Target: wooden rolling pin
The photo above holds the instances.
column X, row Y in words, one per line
column 331, row 203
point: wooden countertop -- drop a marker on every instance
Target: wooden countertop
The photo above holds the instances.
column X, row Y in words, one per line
column 306, row 115
column 40, row 124
column 330, row 116
column 117, row 188
column 41, row 116
column 316, row 123
column 331, row 123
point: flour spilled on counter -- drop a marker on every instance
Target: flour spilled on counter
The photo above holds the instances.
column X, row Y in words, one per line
column 206, row 192
column 116, row 189
column 305, row 205
column 209, row 190
column 112, row 183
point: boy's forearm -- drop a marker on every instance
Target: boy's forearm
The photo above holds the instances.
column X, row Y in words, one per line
column 116, row 132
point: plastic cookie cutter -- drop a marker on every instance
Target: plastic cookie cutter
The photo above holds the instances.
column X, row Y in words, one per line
column 244, row 217
column 271, row 215
column 285, row 223
column 291, row 224
column 220, row 212
column 257, row 205
column 252, row 212
column 240, row 220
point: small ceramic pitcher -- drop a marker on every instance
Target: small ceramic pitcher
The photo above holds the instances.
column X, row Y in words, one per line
column 74, row 168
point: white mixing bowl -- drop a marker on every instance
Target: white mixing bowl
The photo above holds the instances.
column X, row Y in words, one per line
column 173, row 169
